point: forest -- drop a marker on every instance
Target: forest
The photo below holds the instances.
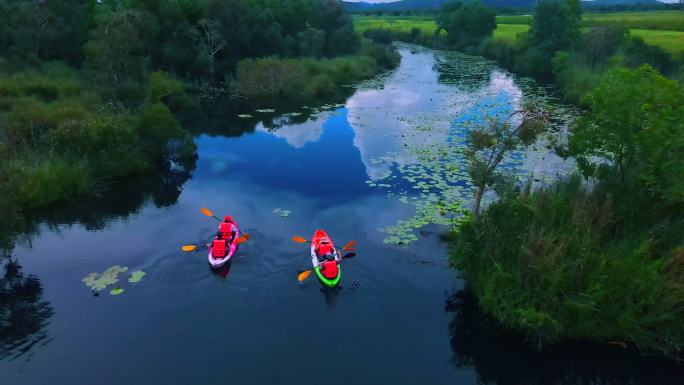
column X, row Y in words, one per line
column 90, row 90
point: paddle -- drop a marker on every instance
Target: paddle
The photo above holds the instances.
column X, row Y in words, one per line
column 348, row 247
column 208, row 213
column 242, row 239
column 306, row 273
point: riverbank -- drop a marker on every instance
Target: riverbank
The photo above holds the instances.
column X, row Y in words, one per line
column 76, row 121
column 572, row 261
column 609, row 40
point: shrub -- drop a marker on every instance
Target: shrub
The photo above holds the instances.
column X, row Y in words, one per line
column 554, row 264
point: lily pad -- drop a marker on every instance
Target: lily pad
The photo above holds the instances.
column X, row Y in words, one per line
column 99, row 281
column 116, row 291
column 136, row 276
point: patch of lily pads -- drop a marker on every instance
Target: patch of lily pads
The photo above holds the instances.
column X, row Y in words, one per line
column 100, row 281
column 431, row 174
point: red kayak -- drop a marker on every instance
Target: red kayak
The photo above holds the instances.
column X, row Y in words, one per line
column 325, row 259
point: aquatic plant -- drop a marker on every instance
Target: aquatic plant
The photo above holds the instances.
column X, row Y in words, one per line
column 116, row 291
column 99, row 281
column 136, row 276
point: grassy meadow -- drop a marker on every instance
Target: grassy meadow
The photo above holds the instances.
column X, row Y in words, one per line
column 401, row 24
column 661, row 28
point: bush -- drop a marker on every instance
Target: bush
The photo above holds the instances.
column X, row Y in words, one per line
column 555, row 264
column 309, row 77
column 62, row 141
column 638, row 53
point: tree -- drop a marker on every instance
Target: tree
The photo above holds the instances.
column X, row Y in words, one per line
column 210, row 41
column 311, row 42
column 488, row 145
column 601, row 42
column 467, row 24
column 633, row 134
column 119, row 45
column 555, row 25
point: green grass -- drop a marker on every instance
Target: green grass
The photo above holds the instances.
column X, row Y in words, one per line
column 508, row 32
column 661, row 28
column 402, row 24
column 672, row 41
column 513, row 19
column 658, row 20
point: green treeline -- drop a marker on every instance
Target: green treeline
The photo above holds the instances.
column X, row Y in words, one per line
column 556, row 46
column 89, row 89
column 598, row 255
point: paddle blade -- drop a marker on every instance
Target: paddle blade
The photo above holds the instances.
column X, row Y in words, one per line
column 243, row 238
column 206, row 212
column 189, row 247
column 299, row 239
column 304, row 275
column 349, row 246
column 350, row 255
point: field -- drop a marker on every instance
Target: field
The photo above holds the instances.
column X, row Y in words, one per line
column 402, row 24
column 661, row 28
column 508, row 32
column 659, row 20
column 672, row 41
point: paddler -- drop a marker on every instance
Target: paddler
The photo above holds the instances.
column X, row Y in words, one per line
column 228, row 228
column 325, row 250
column 219, row 247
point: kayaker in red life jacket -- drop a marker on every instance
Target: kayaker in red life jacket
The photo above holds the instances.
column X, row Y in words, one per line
column 219, row 247
column 228, row 228
column 325, row 250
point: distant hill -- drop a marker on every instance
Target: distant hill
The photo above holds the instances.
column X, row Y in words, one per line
column 403, row 5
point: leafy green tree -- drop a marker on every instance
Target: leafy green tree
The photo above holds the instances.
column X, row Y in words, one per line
column 118, row 49
column 210, row 41
column 555, row 25
column 33, row 31
column 637, row 53
column 467, row 24
column 489, row 144
column 601, row 42
column 311, row 42
column 633, row 134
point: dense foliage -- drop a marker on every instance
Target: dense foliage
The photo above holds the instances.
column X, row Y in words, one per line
column 467, row 24
column 88, row 89
column 60, row 139
column 600, row 261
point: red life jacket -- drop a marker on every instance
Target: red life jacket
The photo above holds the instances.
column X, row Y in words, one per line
column 218, row 248
column 329, row 269
column 324, row 249
column 226, row 229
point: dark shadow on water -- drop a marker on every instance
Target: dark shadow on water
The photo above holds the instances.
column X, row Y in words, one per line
column 331, row 295
column 221, row 118
column 501, row 357
column 115, row 200
column 223, row 271
column 23, row 312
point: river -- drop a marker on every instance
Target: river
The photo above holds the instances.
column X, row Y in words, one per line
column 350, row 168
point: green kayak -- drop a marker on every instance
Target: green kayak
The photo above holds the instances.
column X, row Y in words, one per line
column 326, row 281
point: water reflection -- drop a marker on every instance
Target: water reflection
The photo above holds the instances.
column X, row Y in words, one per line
column 23, row 312
column 119, row 199
column 416, row 106
column 501, row 357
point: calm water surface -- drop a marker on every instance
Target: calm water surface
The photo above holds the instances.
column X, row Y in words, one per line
column 398, row 317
